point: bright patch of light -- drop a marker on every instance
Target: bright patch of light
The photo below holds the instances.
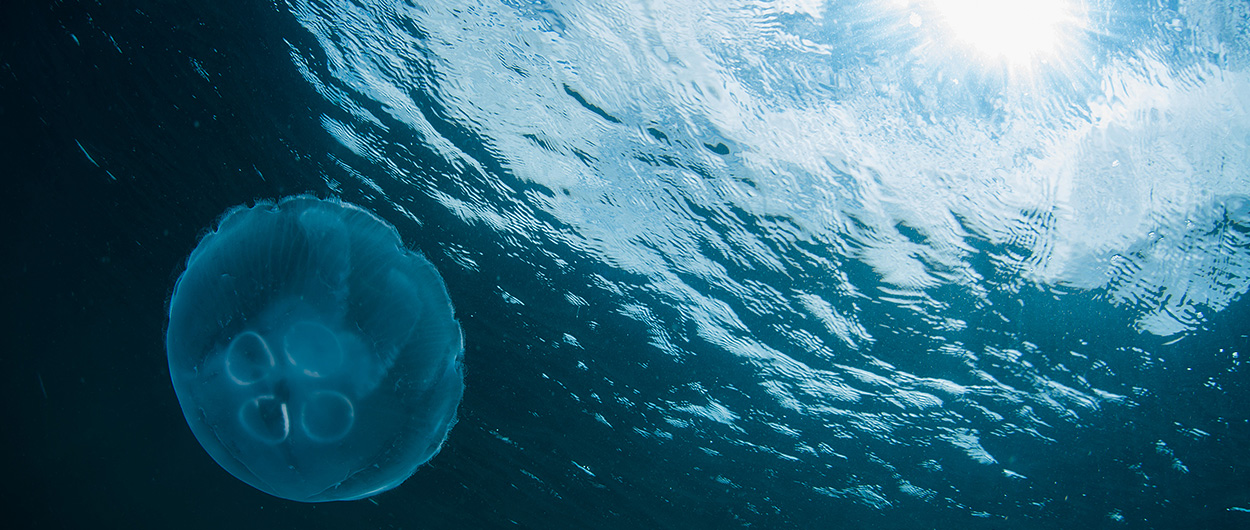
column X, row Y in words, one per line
column 1016, row 30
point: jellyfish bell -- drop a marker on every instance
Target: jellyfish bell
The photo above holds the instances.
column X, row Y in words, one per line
column 313, row 355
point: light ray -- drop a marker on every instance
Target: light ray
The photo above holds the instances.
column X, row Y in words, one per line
column 1013, row 30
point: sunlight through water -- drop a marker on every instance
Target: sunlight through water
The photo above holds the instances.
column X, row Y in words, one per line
column 907, row 254
column 1014, row 30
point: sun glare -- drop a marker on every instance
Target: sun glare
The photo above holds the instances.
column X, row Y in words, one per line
column 1014, row 30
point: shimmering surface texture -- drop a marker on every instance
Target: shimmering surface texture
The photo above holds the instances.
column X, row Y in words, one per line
column 723, row 264
column 876, row 255
column 314, row 356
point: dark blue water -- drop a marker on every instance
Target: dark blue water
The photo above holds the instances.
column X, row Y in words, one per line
column 769, row 264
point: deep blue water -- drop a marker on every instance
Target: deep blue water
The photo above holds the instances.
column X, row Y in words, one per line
column 720, row 264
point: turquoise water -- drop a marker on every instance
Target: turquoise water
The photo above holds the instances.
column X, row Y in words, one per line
column 888, row 264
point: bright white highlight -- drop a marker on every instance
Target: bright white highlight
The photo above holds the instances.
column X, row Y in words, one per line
column 1016, row 30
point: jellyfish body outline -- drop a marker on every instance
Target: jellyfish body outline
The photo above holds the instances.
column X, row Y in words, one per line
column 314, row 356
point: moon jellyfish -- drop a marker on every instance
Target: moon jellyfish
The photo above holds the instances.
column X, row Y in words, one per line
column 314, row 356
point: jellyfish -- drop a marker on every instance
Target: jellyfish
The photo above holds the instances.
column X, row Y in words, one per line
column 313, row 355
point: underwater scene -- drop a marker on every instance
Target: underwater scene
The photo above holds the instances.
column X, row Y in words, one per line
column 882, row 264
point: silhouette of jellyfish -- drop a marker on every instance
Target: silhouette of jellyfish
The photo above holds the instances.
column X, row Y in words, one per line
column 315, row 358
